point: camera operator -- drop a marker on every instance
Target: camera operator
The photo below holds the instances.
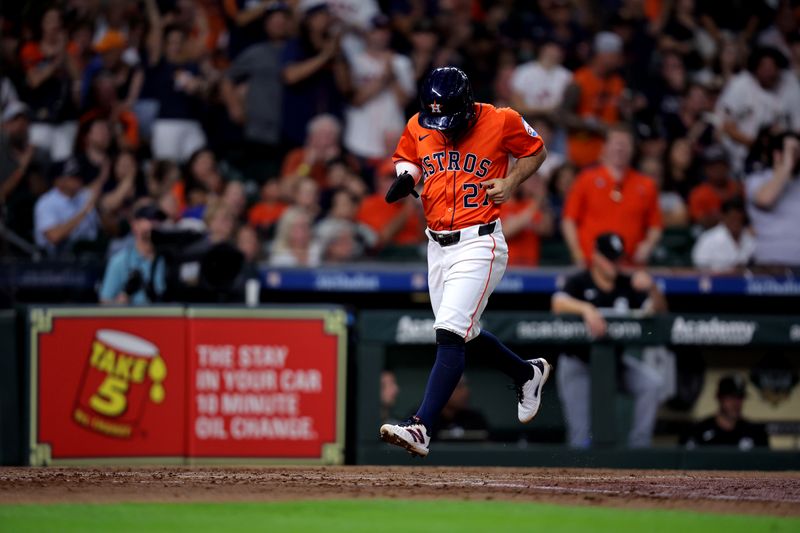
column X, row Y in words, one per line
column 131, row 277
column 773, row 202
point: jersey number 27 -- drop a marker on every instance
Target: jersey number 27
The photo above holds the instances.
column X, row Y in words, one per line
column 472, row 191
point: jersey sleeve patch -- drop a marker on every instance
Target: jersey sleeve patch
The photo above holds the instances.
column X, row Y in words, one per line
column 528, row 128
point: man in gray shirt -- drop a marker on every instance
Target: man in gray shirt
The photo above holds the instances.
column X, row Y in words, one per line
column 773, row 202
column 253, row 88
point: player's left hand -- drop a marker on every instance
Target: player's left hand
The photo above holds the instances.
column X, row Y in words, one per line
column 498, row 190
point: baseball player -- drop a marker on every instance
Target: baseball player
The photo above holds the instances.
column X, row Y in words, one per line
column 459, row 151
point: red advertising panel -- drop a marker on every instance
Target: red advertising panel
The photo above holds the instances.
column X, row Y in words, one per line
column 108, row 386
column 266, row 387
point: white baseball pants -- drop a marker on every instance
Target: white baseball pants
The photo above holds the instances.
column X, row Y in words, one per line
column 462, row 276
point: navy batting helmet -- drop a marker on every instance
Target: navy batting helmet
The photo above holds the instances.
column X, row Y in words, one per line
column 446, row 100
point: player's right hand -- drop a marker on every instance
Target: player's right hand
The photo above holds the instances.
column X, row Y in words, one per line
column 595, row 323
column 402, row 186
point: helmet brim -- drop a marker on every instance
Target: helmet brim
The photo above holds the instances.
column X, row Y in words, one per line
column 438, row 122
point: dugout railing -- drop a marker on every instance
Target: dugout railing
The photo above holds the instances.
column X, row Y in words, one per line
column 404, row 342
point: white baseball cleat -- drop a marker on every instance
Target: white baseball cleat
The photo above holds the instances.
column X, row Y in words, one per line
column 529, row 394
column 412, row 435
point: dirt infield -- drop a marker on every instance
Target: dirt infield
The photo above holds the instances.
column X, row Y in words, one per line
column 739, row 492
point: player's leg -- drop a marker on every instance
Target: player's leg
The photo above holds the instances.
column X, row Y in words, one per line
column 644, row 384
column 529, row 376
column 574, row 388
column 487, row 347
column 414, row 434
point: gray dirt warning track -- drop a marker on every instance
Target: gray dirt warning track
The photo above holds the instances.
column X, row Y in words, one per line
column 726, row 492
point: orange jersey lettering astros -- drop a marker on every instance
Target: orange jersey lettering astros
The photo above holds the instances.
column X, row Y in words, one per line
column 452, row 195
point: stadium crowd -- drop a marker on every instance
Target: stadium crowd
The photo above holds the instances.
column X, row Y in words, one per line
column 270, row 125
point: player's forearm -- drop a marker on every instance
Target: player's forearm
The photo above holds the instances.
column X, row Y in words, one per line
column 658, row 302
column 526, row 167
column 564, row 304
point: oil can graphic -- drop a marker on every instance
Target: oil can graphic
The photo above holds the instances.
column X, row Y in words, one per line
column 122, row 374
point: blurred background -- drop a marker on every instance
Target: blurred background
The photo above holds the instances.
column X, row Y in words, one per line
column 232, row 151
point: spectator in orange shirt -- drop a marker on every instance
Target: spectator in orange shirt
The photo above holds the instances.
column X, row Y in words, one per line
column 526, row 219
column 323, row 144
column 399, row 223
column 706, row 199
column 123, row 122
column 591, row 102
column 612, row 197
column 269, row 209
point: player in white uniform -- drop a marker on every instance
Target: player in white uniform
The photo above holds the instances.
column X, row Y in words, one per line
column 461, row 151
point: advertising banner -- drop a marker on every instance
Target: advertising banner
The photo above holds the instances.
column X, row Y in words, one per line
column 266, row 384
column 187, row 385
column 107, row 384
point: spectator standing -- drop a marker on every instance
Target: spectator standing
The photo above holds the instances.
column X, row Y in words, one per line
column 66, row 213
column 728, row 427
column 315, row 73
column 245, row 20
column 764, row 95
column 613, row 197
column 106, row 106
column 773, row 203
column 23, row 171
column 383, row 83
column 539, row 86
column 729, row 244
column 124, row 72
column 253, row 91
column 707, row 198
column 131, row 277
column 51, row 70
column 592, row 101
column 177, row 85
column 595, row 294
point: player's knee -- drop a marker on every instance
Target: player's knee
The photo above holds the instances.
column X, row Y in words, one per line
column 446, row 337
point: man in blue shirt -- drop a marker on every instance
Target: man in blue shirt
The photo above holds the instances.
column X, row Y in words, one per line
column 130, row 277
column 66, row 213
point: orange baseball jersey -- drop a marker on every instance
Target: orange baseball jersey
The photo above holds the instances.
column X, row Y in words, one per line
column 452, row 196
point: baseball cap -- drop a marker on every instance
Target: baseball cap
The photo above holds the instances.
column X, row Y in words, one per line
column 715, row 154
column 111, row 40
column 610, row 246
column 607, row 42
column 13, row 110
column 69, row 167
column 150, row 212
column 732, row 385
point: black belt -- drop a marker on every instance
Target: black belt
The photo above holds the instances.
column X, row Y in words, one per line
column 449, row 239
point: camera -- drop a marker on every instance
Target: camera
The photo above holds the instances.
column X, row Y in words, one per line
column 196, row 270
column 135, row 282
